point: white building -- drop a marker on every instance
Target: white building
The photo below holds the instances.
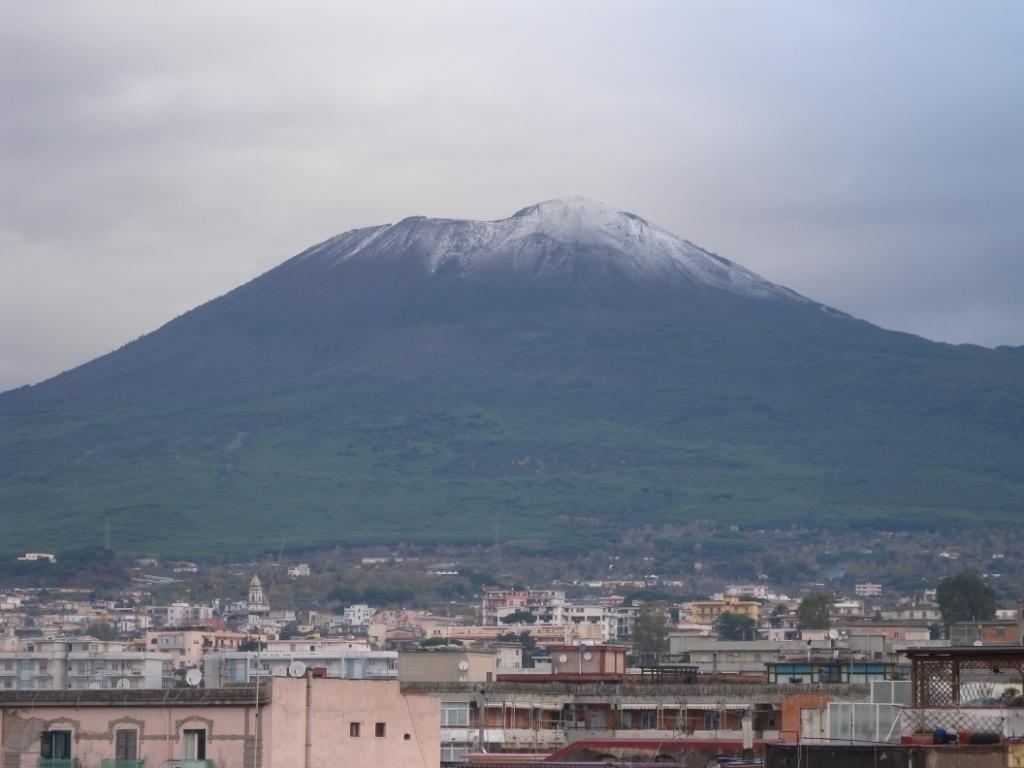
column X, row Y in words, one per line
column 759, row 591
column 179, row 614
column 82, row 663
column 867, row 590
column 299, row 571
column 360, row 615
column 31, row 557
column 240, row 667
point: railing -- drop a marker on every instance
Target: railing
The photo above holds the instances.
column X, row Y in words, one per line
column 57, row 762
column 189, row 764
column 110, row 762
column 1006, row 722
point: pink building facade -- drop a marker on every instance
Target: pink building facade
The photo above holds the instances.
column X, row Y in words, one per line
column 297, row 723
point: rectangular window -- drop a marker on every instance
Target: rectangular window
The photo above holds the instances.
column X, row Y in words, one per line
column 454, row 714
column 55, row 745
column 195, row 744
column 126, row 745
column 379, row 730
column 353, row 729
column 712, row 721
column 453, row 753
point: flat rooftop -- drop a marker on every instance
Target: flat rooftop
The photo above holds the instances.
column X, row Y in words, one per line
column 139, row 697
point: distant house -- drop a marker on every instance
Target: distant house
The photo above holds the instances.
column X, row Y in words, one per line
column 996, row 632
column 32, row 557
column 708, row 611
column 867, row 590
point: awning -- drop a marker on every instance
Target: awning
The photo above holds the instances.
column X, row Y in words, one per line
column 641, row 705
column 529, row 704
column 715, row 707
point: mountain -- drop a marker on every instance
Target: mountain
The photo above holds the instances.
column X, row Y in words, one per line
column 553, row 380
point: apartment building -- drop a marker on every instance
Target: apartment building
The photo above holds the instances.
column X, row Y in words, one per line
column 536, row 717
column 243, row 667
column 500, row 602
column 188, row 646
column 707, row 611
column 290, row 724
column 81, row 663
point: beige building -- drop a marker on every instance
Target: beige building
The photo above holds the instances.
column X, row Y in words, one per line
column 706, row 611
column 442, row 665
column 188, row 646
column 298, row 723
column 588, row 660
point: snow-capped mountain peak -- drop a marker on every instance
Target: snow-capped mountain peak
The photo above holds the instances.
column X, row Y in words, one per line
column 566, row 237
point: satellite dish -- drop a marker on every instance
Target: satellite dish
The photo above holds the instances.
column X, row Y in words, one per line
column 587, row 656
column 296, row 669
column 833, row 634
column 124, row 682
column 563, row 658
column 193, row 678
column 463, row 665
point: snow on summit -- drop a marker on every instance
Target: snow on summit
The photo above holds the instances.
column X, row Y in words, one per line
column 554, row 237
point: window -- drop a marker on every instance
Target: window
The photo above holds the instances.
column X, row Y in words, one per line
column 454, row 714
column 353, row 729
column 126, row 744
column 712, row 721
column 195, row 744
column 379, row 730
column 454, row 753
column 55, row 745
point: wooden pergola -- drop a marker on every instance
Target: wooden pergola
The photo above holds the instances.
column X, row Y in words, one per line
column 936, row 673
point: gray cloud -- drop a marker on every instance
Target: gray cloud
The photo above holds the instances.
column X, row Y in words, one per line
column 153, row 156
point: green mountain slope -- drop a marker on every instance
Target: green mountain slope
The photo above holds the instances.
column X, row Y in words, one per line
column 386, row 397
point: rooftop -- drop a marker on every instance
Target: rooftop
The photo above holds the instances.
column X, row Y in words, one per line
column 139, row 697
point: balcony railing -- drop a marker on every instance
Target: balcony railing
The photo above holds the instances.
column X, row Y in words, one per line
column 57, row 762
column 189, row 764
column 110, row 762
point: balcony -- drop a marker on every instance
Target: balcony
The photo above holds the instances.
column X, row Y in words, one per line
column 110, row 762
column 57, row 762
column 189, row 764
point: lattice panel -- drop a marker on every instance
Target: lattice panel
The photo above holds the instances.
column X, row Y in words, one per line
column 935, row 683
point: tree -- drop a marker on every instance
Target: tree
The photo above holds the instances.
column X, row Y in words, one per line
column 101, row 630
column 735, row 626
column 965, row 597
column 650, row 632
column 813, row 611
column 519, row 617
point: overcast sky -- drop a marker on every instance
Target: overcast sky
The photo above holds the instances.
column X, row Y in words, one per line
column 155, row 155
